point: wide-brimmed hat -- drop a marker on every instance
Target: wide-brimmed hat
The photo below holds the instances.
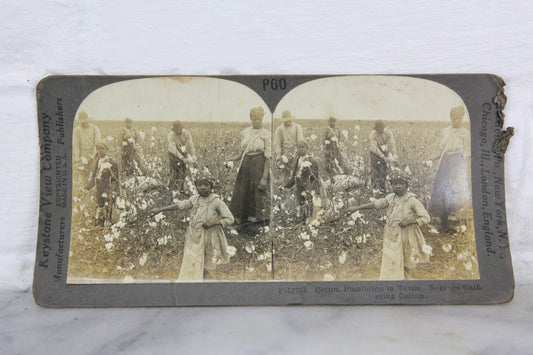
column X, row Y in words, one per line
column 332, row 119
column 379, row 124
column 457, row 112
column 83, row 117
column 286, row 116
column 257, row 112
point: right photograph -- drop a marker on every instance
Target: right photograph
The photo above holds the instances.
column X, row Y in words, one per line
column 371, row 181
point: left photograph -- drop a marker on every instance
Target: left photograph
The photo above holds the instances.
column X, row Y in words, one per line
column 170, row 183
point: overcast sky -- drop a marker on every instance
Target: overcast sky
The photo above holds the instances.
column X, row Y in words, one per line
column 170, row 99
column 212, row 99
column 371, row 98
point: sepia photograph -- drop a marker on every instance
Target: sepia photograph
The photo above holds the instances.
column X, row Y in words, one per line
column 189, row 179
column 171, row 183
column 374, row 182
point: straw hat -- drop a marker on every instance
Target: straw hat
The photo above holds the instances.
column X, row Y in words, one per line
column 257, row 112
column 83, row 117
column 286, row 116
column 457, row 112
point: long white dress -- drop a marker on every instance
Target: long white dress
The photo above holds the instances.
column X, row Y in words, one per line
column 402, row 246
column 204, row 248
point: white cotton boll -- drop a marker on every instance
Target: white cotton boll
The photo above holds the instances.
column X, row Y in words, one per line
column 357, row 128
column 231, row 250
column 284, row 159
column 269, row 267
column 313, row 137
column 249, row 248
column 384, row 147
column 463, row 228
column 447, row 247
column 131, row 140
column 407, row 170
column 109, row 246
column 434, row 231
column 308, row 244
column 427, row 249
column 328, row 277
column 142, row 135
column 304, row 236
column 110, row 139
column 162, row 240
column 154, row 129
column 159, row 216
column 314, row 223
column 327, row 142
column 356, row 215
column 124, row 144
column 234, row 232
column 359, row 239
column 152, row 224
column 183, row 148
column 250, row 269
column 121, row 203
column 84, row 160
column 345, row 134
column 468, row 265
column 142, row 259
column 334, row 139
column 342, row 257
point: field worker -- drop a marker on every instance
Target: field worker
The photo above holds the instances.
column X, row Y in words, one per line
column 250, row 201
column 205, row 242
column 404, row 245
column 103, row 176
column 286, row 137
column 335, row 161
column 180, row 153
column 130, row 163
column 305, row 177
column 382, row 154
column 451, row 191
column 84, row 141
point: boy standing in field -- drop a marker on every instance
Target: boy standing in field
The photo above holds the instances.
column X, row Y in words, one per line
column 205, row 242
column 305, row 177
column 103, row 175
column 404, row 245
